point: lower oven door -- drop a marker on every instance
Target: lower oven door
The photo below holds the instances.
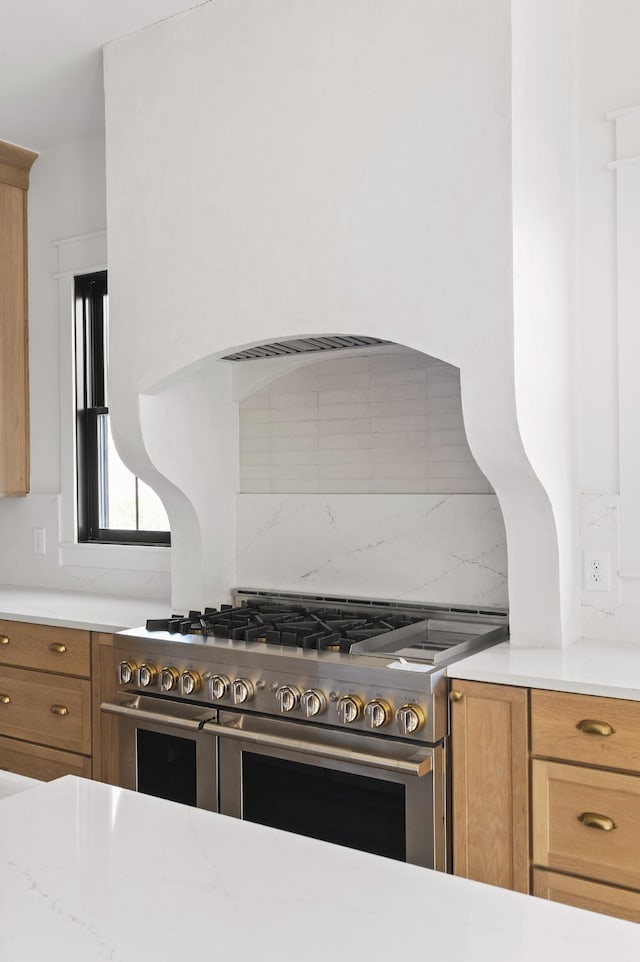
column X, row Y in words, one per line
column 160, row 748
column 369, row 793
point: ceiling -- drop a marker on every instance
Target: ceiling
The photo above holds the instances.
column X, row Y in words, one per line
column 51, row 63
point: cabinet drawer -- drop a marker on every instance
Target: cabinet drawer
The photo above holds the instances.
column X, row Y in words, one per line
column 32, row 707
column 65, row 650
column 570, row 807
column 608, row 899
column 555, row 717
column 36, row 761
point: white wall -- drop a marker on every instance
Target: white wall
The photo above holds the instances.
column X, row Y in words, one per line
column 608, row 79
column 66, row 198
column 543, row 89
column 289, row 168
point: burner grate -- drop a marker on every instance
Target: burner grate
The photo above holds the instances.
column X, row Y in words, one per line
column 313, row 627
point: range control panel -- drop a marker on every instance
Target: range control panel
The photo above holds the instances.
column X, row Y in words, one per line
column 324, row 700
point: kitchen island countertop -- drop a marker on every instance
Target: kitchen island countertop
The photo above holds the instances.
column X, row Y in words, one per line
column 90, row 872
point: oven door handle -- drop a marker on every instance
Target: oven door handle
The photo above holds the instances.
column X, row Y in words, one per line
column 144, row 715
column 418, row 766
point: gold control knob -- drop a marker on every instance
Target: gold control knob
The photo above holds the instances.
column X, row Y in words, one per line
column 313, row 702
column 168, row 678
column 219, row 687
column 241, row 691
column 147, row 675
column 377, row 713
column 126, row 672
column 288, row 698
column 189, row 683
column 349, row 709
column 410, row 719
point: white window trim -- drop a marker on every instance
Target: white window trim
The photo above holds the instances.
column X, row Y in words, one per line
column 85, row 254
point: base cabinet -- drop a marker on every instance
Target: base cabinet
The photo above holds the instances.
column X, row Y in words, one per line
column 45, row 700
column 490, row 783
column 586, row 801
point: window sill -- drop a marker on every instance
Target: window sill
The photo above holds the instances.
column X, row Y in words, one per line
column 118, row 556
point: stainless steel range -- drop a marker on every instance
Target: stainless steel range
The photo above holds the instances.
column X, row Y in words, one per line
column 321, row 715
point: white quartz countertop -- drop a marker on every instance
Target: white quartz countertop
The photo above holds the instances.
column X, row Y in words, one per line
column 90, row 872
column 78, row 609
column 587, row 667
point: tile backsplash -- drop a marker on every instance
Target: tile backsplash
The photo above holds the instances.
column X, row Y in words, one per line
column 386, row 423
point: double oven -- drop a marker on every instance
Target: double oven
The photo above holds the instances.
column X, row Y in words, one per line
column 387, row 798
column 324, row 718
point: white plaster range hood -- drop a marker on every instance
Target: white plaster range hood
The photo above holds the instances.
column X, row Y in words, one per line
column 291, row 170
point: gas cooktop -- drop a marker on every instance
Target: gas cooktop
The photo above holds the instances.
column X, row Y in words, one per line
column 426, row 633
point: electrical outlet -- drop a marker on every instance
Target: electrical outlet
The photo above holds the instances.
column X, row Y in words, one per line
column 597, row 571
column 39, row 536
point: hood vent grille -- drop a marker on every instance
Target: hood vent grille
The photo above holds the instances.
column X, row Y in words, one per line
column 304, row 345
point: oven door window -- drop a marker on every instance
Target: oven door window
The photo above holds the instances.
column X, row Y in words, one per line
column 357, row 811
column 166, row 766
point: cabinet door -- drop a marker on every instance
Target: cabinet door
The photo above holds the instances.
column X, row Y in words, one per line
column 608, row 899
column 586, row 729
column 65, row 651
column 36, row 706
column 490, row 783
column 15, row 163
column 105, row 741
column 38, row 761
column 586, row 821
column 14, row 448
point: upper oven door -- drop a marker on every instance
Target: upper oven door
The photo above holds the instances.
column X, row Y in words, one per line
column 161, row 749
column 373, row 794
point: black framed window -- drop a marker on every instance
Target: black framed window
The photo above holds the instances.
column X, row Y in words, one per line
column 114, row 506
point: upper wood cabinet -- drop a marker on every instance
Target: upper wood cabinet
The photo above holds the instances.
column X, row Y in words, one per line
column 490, row 781
column 15, row 163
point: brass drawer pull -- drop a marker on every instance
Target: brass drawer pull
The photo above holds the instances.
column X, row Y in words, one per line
column 592, row 727
column 59, row 710
column 4, row 640
column 5, row 700
column 57, row 647
column 455, row 695
column 593, row 820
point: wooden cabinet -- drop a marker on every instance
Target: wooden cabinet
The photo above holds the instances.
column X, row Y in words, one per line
column 45, row 700
column 15, row 163
column 105, row 742
column 490, row 783
column 607, row 899
column 586, row 801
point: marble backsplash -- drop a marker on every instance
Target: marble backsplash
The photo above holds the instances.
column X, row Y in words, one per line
column 433, row 548
column 599, row 531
